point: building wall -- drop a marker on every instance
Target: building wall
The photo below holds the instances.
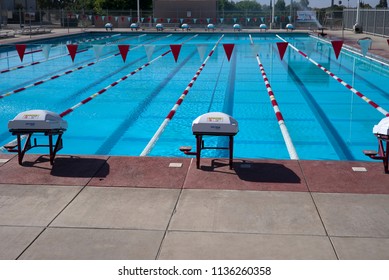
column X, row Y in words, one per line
column 185, row 8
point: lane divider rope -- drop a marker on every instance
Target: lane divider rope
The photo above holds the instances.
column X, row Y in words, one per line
column 168, row 118
column 352, row 89
column 59, row 75
column 353, row 50
column 281, row 122
column 40, row 50
column 71, row 109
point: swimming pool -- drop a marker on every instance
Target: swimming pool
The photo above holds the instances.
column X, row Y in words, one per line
column 325, row 120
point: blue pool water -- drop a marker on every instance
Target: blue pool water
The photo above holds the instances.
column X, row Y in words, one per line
column 325, row 120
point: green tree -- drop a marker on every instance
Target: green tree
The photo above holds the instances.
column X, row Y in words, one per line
column 54, row 3
column 248, row 5
column 364, row 6
column 127, row 4
column 382, row 4
column 280, row 5
column 226, row 5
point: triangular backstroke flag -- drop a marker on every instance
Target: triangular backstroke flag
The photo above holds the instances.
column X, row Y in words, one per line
column 365, row 45
column 202, row 49
column 124, row 51
column 46, row 50
column 21, row 49
column 98, row 50
column 175, row 51
column 72, row 49
column 282, row 46
column 228, row 48
column 337, row 45
column 149, row 51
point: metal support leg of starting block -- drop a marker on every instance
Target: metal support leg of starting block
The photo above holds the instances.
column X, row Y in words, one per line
column 382, row 154
column 53, row 149
column 200, row 146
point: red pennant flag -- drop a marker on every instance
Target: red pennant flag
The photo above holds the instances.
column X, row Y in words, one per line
column 123, row 51
column 282, row 46
column 228, row 48
column 337, row 45
column 72, row 51
column 388, row 41
column 21, row 49
column 175, row 51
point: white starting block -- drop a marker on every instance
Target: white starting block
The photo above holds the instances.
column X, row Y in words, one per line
column 212, row 124
column 381, row 131
column 36, row 121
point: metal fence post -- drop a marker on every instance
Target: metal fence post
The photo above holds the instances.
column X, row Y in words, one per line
column 375, row 21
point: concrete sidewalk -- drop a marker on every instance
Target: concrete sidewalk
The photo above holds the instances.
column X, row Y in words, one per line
column 140, row 208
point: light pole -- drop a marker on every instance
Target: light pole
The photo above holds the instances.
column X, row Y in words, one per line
column 291, row 10
column 272, row 15
column 137, row 9
column 358, row 9
column 357, row 26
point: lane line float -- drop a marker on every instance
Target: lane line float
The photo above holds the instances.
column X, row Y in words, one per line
column 281, row 122
column 352, row 89
column 168, row 118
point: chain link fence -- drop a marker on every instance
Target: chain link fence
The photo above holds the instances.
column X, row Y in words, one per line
column 122, row 18
column 372, row 21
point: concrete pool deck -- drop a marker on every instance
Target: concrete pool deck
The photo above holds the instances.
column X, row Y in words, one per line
column 100, row 207
column 105, row 207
